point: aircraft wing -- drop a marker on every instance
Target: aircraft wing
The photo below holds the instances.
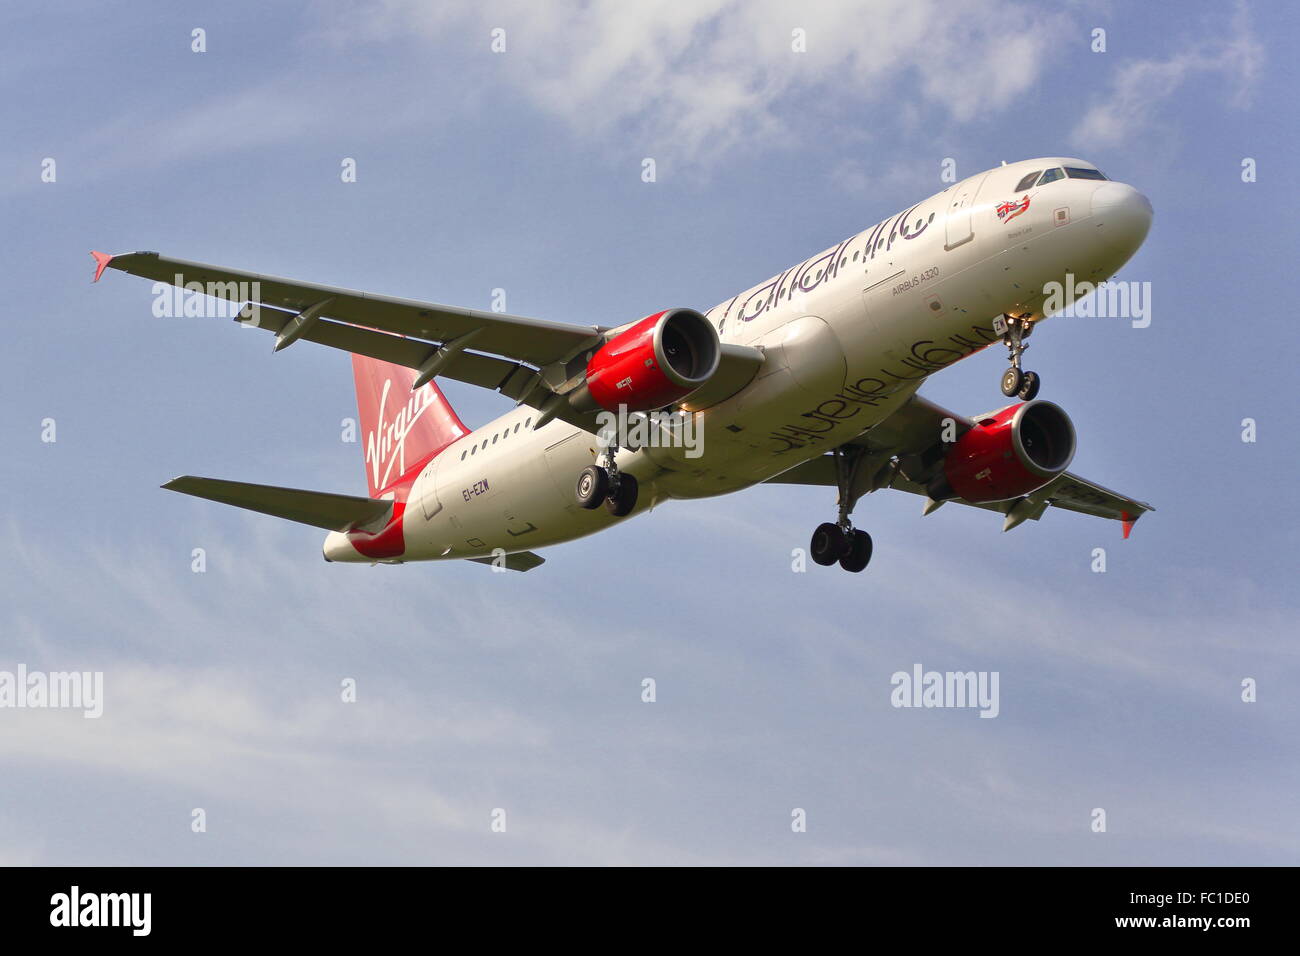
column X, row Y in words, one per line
column 530, row 340
column 527, row 360
column 913, row 431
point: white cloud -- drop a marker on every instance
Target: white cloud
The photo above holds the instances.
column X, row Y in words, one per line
column 1141, row 88
column 702, row 79
column 689, row 83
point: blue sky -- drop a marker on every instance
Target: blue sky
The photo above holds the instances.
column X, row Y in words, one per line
column 522, row 171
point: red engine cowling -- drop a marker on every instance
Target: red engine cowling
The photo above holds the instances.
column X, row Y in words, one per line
column 661, row 359
column 1007, row 454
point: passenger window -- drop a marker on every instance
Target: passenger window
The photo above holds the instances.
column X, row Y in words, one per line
column 527, row 422
column 494, row 439
column 474, row 450
column 1078, row 172
column 1051, row 176
column 1027, row 181
column 516, row 426
column 931, row 219
column 463, row 454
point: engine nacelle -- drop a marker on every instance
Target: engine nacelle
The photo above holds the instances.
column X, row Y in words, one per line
column 1007, row 454
column 658, row 361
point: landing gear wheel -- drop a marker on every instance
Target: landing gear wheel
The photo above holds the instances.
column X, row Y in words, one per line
column 592, row 487
column 622, row 502
column 828, row 544
column 1029, row 387
column 858, row 555
column 1012, row 380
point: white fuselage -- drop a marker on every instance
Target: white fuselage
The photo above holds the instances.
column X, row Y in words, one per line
column 848, row 336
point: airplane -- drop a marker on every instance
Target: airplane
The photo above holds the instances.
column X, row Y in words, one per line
column 810, row 377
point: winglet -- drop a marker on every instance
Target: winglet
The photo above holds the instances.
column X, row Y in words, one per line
column 1128, row 521
column 103, row 259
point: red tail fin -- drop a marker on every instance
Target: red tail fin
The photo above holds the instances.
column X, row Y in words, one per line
column 400, row 429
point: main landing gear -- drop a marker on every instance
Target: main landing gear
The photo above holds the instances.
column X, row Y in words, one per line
column 833, row 542
column 596, row 484
column 838, row 541
column 1014, row 330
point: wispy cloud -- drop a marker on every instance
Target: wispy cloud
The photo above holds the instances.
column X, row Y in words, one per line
column 1142, row 88
column 705, row 79
column 693, row 84
column 464, row 707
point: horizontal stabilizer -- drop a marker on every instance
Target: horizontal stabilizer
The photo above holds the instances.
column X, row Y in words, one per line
column 520, row 561
column 317, row 508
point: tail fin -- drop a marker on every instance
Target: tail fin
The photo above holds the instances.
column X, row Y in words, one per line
column 401, row 429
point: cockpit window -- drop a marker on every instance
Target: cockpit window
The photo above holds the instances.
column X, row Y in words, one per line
column 1027, row 181
column 1078, row 172
column 1051, row 176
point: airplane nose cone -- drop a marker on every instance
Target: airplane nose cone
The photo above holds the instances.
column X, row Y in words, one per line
column 1122, row 214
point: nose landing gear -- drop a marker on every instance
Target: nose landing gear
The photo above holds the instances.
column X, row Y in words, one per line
column 596, row 484
column 1014, row 330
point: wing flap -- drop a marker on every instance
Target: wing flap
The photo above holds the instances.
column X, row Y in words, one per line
column 485, row 371
column 1073, row 493
column 519, row 382
column 1067, row 491
column 317, row 508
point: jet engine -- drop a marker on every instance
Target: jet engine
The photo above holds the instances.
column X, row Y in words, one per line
column 1007, row 454
column 657, row 361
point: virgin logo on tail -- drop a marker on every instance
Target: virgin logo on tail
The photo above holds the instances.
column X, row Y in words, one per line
column 387, row 446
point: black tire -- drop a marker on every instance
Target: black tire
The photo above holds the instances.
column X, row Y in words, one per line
column 622, row 502
column 1012, row 379
column 828, row 544
column 1030, row 386
column 859, row 553
column 592, row 487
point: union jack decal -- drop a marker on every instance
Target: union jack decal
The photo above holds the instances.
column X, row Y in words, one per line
column 1010, row 209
